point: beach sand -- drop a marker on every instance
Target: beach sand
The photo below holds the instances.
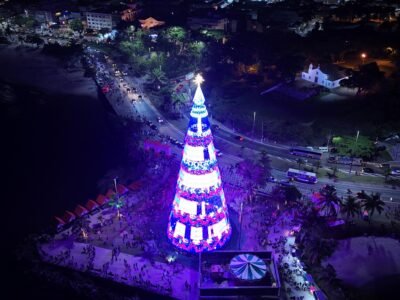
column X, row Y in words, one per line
column 31, row 67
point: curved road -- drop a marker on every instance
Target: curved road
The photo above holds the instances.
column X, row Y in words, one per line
column 225, row 141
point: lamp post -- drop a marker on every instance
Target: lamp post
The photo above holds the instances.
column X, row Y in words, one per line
column 115, row 185
column 254, row 123
column 240, row 223
column 363, row 57
column 262, row 131
column 352, row 153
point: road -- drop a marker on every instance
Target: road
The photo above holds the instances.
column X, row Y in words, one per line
column 225, row 139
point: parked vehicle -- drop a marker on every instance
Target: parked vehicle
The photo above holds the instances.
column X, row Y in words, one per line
column 239, row 138
column 368, row 170
column 305, row 152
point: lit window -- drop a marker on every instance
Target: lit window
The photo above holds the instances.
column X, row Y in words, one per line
column 179, row 230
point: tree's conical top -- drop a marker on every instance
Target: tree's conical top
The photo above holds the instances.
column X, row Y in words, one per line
column 198, row 96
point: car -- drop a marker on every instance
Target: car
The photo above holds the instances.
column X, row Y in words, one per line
column 368, row 170
column 239, row 138
column 286, row 182
column 332, row 159
column 160, row 120
column 271, row 179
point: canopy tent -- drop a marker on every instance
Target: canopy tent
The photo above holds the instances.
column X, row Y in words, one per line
column 90, row 205
column 110, row 193
column 248, row 267
column 59, row 220
column 101, row 199
column 122, row 189
column 80, row 210
column 135, row 185
column 68, row 216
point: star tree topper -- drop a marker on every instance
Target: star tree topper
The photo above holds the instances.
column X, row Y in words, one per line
column 198, row 79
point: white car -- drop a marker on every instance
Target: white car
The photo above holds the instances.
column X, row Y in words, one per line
column 160, row 120
column 323, row 149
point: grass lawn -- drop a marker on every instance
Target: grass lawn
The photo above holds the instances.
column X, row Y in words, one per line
column 304, row 122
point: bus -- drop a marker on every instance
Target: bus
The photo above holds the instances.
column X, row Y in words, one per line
column 302, row 176
column 306, row 152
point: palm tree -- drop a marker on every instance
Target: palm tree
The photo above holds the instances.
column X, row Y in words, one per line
column 372, row 203
column 265, row 162
column 157, row 76
column 386, row 173
column 334, row 169
column 330, row 200
column 317, row 166
column 316, row 249
column 117, row 202
column 177, row 35
column 351, row 207
column 300, row 162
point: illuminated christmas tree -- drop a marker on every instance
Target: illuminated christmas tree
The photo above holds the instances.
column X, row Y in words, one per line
column 199, row 217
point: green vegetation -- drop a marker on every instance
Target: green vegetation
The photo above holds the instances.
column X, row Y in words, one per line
column 169, row 55
column 352, row 146
column 28, row 22
column 76, row 25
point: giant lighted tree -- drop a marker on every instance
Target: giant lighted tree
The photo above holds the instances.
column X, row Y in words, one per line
column 199, row 216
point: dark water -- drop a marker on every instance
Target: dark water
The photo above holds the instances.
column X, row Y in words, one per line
column 55, row 149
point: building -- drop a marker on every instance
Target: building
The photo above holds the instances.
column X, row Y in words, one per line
column 208, row 23
column 43, row 16
column 331, row 79
column 99, row 20
column 199, row 219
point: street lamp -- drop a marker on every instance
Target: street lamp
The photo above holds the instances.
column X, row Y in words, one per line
column 352, row 153
column 363, row 57
column 254, row 123
column 240, row 223
column 115, row 185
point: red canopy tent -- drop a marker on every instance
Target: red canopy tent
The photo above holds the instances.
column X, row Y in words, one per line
column 135, row 185
column 101, row 199
column 80, row 210
column 90, row 205
column 59, row 220
column 122, row 189
column 68, row 216
column 110, row 193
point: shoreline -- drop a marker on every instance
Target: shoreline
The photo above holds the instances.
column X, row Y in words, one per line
column 31, row 67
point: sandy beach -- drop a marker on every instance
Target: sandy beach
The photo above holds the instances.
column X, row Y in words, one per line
column 31, row 67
